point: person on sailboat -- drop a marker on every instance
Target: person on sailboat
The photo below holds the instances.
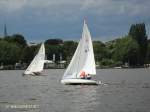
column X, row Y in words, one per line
column 82, row 75
column 88, row 76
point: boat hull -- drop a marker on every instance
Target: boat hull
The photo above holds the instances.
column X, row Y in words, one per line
column 79, row 82
column 32, row 73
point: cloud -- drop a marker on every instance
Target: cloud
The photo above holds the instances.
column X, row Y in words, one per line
column 94, row 6
column 108, row 18
column 12, row 5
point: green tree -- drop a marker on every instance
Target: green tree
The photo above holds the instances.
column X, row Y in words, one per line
column 106, row 62
column 53, row 49
column 17, row 39
column 54, row 41
column 126, row 50
column 69, row 48
column 100, row 50
column 9, row 53
column 138, row 32
column 148, row 53
column 28, row 53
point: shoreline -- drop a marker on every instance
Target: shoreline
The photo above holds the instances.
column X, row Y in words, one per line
column 96, row 68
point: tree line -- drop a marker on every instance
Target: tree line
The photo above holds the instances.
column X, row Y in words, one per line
column 132, row 49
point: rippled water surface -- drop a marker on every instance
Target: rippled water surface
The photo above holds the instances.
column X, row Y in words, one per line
column 126, row 90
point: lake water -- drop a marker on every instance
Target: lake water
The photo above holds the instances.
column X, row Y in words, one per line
column 126, row 90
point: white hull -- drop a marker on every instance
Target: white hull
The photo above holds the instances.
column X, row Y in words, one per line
column 79, row 82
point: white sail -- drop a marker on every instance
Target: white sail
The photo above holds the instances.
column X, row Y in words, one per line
column 37, row 63
column 83, row 59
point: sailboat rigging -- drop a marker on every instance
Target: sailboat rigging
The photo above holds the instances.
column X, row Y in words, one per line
column 37, row 64
column 82, row 65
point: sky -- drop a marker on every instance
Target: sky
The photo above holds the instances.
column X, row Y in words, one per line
column 39, row 20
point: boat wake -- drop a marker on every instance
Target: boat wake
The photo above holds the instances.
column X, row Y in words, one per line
column 101, row 83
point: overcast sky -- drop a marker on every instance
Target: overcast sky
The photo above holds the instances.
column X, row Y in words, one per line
column 39, row 20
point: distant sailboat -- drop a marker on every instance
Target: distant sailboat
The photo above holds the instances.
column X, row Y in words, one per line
column 37, row 64
column 82, row 63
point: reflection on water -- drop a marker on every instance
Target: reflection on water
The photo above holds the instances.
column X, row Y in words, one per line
column 82, row 98
column 127, row 90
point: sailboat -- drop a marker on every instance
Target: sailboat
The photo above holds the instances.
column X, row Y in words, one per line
column 82, row 62
column 37, row 64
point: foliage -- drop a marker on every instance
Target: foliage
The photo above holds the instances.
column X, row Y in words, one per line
column 138, row 32
column 17, row 39
column 9, row 52
column 53, row 50
column 126, row 50
column 28, row 53
column 100, row 50
column 148, row 53
column 54, row 41
column 69, row 48
column 106, row 62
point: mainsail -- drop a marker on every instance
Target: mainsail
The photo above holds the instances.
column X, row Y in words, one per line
column 83, row 59
column 37, row 63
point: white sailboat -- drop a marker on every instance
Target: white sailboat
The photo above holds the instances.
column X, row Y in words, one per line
column 37, row 64
column 82, row 63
